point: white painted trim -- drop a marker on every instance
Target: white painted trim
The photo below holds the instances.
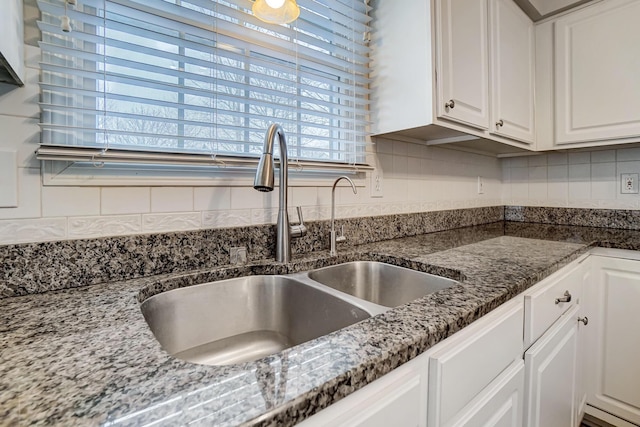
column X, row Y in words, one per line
column 607, row 417
column 616, row 253
column 59, row 173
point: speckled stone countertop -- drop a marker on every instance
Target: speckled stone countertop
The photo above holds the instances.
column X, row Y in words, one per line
column 85, row 356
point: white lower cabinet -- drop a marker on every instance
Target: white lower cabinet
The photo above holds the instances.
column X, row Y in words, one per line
column 613, row 340
column 462, row 368
column 549, row 299
column 472, row 378
column 581, row 354
column 396, row 399
column 500, row 404
column 554, row 390
column 582, row 369
column 550, row 372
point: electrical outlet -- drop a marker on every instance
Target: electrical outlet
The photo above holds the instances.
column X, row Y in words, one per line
column 238, row 255
column 629, row 183
column 480, row 185
column 376, row 183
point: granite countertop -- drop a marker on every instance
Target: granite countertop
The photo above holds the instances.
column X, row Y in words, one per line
column 85, row 356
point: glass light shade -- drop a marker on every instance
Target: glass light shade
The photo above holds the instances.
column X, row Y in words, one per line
column 288, row 12
column 273, row 3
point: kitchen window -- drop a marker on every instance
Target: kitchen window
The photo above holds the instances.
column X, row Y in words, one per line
column 197, row 82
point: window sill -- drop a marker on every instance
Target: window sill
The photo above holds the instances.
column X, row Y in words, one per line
column 75, row 174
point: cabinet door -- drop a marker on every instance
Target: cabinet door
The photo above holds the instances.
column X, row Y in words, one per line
column 398, row 398
column 500, row 404
column 597, row 69
column 614, row 338
column 471, row 359
column 11, row 42
column 550, row 375
column 512, row 71
column 462, row 62
column 582, row 369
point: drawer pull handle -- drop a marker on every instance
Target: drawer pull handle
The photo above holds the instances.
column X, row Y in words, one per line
column 584, row 320
column 450, row 104
column 565, row 298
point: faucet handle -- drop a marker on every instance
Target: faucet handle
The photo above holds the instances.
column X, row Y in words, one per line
column 341, row 237
column 300, row 229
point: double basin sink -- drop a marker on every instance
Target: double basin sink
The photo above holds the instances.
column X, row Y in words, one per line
column 247, row 318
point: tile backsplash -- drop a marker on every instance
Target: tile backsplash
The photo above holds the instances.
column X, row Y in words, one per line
column 416, row 178
column 583, row 179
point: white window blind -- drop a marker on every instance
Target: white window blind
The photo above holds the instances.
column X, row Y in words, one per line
column 204, row 77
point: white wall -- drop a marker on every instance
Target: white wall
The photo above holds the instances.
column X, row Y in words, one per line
column 415, row 178
column 584, row 179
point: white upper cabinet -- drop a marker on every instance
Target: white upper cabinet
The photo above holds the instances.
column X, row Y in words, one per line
column 512, row 53
column 597, row 64
column 431, row 74
column 462, row 62
column 11, row 42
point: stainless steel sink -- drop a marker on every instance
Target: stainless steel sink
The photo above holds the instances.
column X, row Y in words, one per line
column 244, row 319
column 380, row 283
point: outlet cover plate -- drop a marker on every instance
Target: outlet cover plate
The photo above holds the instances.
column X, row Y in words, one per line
column 480, row 185
column 376, row 183
column 629, row 183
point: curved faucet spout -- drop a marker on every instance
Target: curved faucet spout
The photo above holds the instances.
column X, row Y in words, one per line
column 265, row 171
column 264, row 182
column 333, row 251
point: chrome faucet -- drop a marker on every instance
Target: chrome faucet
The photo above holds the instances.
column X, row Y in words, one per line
column 264, row 182
column 340, row 238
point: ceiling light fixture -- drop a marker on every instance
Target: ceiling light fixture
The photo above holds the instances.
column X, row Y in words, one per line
column 276, row 11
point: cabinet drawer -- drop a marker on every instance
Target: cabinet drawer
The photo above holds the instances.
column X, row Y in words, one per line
column 540, row 307
column 471, row 359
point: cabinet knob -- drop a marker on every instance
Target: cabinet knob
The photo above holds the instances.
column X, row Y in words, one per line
column 565, row 298
column 584, row 320
column 499, row 123
column 450, row 104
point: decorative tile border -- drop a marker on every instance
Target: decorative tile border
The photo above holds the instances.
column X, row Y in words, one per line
column 97, row 226
column 171, row 222
column 39, row 267
column 25, row 230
